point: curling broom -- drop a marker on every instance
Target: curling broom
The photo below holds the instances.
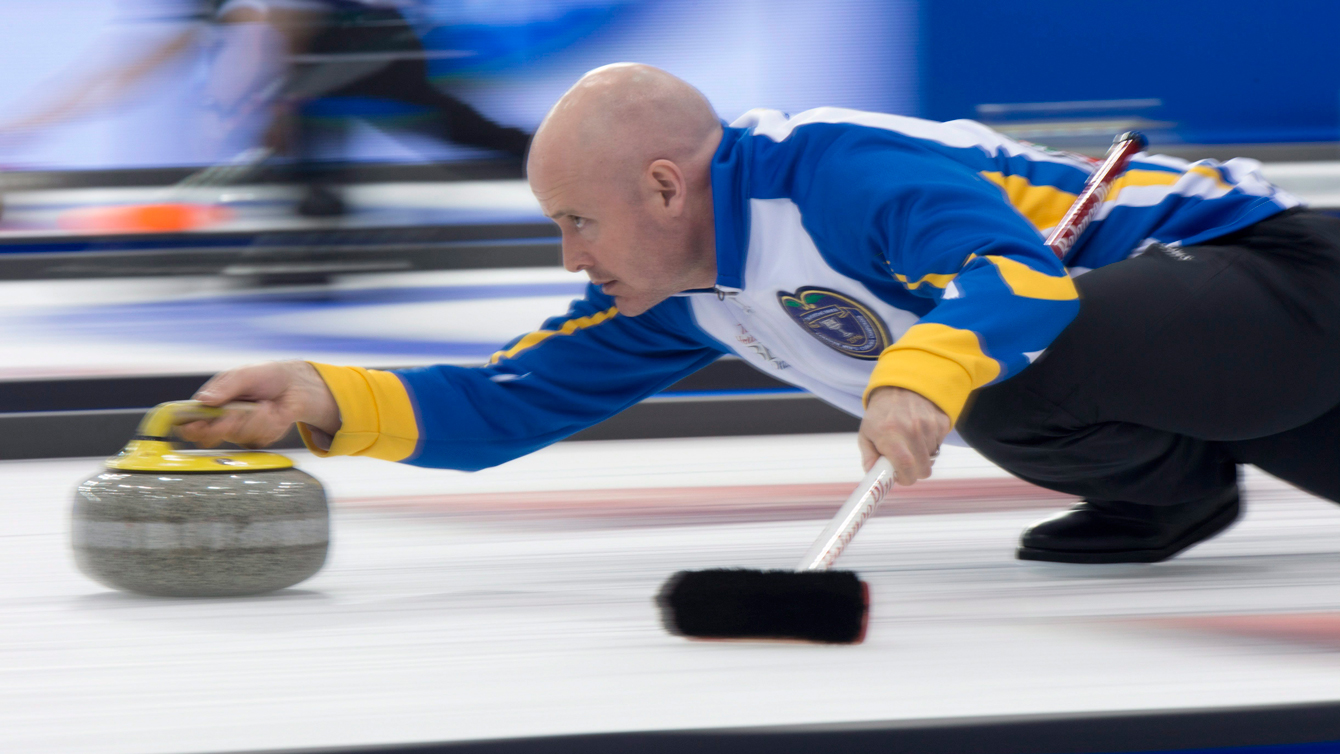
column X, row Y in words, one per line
column 813, row 603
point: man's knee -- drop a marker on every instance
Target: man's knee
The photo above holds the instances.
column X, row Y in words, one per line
column 980, row 421
column 1001, row 424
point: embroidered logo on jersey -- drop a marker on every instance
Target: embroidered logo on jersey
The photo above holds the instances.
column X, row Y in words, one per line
column 840, row 322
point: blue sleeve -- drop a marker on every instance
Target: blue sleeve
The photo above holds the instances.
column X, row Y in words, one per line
column 575, row 371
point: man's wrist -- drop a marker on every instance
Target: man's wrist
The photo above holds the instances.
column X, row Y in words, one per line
column 894, row 392
column 372, row 414
column 316, row 436
column 887, row 390
column 320, row 411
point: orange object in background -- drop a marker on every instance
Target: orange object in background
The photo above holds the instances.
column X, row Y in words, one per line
column 145, row 218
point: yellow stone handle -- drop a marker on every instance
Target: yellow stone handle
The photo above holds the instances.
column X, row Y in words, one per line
column 152, row 448
column 158, row 423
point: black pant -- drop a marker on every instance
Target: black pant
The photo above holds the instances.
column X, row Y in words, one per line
column 375, row 53
column 1181, row 364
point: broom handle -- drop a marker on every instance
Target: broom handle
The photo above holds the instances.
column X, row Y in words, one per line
column 1095, row 192
column 850, row 518
column 879, row 481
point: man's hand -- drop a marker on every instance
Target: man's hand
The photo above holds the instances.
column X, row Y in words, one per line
column 284, row 392
column 905, row 428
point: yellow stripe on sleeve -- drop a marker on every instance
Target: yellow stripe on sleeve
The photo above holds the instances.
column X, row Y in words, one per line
column 941, row 363
column 1133, row 178
column 568, row 328
column 1209, row 172
column 377, row 417
column 1029, row 283
column 1162, row 178
column 1044, row 206
column 938, row 280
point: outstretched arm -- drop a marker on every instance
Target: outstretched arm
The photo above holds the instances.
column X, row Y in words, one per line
column 575, row 371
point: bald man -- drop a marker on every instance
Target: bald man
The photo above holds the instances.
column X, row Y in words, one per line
column 895, row 268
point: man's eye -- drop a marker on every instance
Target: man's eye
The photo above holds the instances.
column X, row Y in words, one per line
column 578, row 222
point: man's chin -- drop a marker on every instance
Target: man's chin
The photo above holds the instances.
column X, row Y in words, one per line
column 631, row 306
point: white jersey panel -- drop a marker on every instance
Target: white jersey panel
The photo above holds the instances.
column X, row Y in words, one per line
column 961, row 134
column 755, row 324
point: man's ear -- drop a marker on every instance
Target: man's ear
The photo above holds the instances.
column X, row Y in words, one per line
column 666, row 180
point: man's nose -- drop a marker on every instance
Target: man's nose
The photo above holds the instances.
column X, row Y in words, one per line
column 575, row 259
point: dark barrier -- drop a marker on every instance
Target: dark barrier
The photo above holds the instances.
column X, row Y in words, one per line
column 1292, row 729
column 95, row 416
column 282, row 256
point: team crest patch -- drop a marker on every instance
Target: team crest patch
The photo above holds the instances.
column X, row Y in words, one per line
column 840, row 322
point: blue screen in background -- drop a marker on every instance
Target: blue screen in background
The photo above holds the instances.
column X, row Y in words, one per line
column 1200, row 71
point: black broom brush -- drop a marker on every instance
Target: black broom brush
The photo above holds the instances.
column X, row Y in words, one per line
column 810, row 603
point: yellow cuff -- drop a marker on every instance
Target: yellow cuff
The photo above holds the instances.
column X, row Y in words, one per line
column 937, row 379
column 942, row 364
column 376, row 415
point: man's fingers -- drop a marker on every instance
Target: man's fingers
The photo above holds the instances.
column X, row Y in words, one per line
column 259, row 426
column 904, row 465
column 218, row 390
column 249, row 383
column 199, row 432
column 924, row 441
column 907, row 467
column 208, row 433
column 921, row 448
column 910, row 458
column 266, row 425
column 868, row 452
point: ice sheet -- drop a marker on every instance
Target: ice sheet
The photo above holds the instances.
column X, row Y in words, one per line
column 430, row 626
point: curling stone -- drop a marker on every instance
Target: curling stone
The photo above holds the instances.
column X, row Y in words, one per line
column 195, row 523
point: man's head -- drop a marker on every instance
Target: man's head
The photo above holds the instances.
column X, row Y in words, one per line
column 622, row 164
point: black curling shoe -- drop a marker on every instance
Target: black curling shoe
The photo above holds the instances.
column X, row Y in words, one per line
column 1127, row 533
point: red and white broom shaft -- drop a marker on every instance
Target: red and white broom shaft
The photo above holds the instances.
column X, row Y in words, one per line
column 850, row 518
column 1095, row 192
column 880, row 480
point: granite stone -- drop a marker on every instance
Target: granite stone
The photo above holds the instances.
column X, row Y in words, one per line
column 200, row 534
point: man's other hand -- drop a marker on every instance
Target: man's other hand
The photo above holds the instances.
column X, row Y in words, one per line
column 284, row 392
column 905, row 428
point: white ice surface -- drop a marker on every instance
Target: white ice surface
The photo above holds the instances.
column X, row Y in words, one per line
column 423, row 627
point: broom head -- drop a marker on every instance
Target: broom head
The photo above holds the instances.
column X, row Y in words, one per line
column 827, row 607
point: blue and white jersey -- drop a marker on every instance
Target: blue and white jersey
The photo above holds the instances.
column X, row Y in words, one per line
column 854, row 250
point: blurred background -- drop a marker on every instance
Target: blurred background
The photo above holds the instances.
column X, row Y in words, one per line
column 187, row 185
column 343, row 178
column 176, row 83
column 510, row 61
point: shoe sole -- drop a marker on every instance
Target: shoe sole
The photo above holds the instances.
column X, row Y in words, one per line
column 1206, row 529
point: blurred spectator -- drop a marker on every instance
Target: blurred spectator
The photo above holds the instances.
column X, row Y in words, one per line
column 305, row 64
